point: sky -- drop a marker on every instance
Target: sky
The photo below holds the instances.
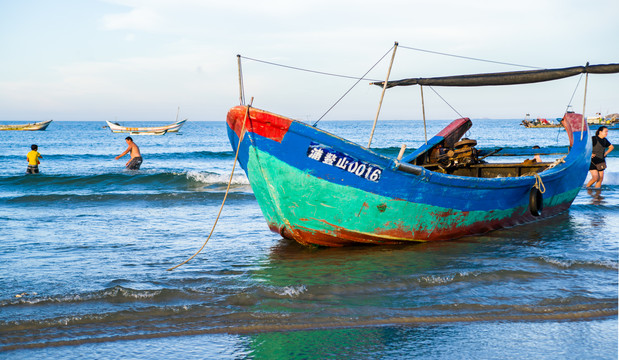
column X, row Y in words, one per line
column 142, row 60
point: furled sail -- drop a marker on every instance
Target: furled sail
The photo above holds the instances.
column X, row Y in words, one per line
column 505, row 78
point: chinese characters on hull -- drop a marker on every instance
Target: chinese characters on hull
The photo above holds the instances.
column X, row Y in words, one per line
column 329, row 156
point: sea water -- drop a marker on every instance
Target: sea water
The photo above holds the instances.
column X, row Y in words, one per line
column 85, row 244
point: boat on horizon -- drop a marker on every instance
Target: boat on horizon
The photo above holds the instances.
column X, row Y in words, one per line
column 155, row 130
column 319, row 189
column 611, row 121
column 26, row 127
column 540, row 123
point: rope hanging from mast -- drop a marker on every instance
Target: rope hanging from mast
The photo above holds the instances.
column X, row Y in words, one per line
column 363, row 77
column 468, row 58
column 307, row 70
column 574, row 93
column 373, row 81
column 445, row 101
column 355, row 84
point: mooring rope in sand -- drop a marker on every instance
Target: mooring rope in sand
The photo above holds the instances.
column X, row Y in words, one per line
column 236, row 156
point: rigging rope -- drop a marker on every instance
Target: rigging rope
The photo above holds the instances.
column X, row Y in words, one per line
column 448, row 104
column 574, row 93
column 355, row 84
column 236, row 156
column 469, row 58
column 555, row 163
column 307, row 70
column 374, row 80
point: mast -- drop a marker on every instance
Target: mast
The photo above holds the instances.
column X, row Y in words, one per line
column 584, row 104
column 241, row 90
column 423, row 110
column 382, row 95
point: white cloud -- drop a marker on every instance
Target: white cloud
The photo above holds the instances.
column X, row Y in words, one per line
column 137, row 19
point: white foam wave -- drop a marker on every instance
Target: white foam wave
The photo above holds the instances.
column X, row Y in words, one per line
column 566, row 264
column 434, row 279
column 446, row 279
column 209, row 178
column 115, row 292
column 291, row 291
column 557, row 262
column 610, row 178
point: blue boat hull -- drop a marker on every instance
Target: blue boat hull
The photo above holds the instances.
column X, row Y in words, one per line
column 319, row 189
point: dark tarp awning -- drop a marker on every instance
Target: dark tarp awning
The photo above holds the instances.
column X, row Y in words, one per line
column 505, row 78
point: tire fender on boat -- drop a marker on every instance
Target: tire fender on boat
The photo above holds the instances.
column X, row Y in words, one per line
column 536, row 201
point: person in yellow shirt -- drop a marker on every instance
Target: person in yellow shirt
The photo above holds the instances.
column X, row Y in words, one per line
column 33, row 160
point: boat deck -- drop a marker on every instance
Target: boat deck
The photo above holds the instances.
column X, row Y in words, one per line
column 492, row 170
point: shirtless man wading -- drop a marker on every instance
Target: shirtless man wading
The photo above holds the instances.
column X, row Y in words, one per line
column 136, row 158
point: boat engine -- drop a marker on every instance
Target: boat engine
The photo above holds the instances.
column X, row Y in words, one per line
column 463, row 154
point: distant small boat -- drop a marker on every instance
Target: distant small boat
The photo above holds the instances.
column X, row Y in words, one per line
column 27, row 127
column 611, row 121
column 539, row 123
column 158, row 130
column 598, row 119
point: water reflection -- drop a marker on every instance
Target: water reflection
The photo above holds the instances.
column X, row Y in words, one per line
column 596, row 196
column 331, row 299
column 321, row 344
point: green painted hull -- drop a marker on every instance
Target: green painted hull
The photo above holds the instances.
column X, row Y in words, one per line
column 318, row 189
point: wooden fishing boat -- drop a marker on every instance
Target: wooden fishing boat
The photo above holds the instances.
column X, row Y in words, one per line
column 157, row 130
column 539, row 123
column 320, row 189
column 598, row 119
column 27, row 127
column 611, row 121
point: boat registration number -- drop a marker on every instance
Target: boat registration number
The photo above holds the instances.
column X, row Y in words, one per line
column 330, row 156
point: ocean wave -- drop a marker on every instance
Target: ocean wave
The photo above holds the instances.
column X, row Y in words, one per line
column 115, row 293
column 579, row 264
column 255, row 294
column 101, row 183
column 205, row 155
column 477, row 276
column 217, row 179
column 236, row 193
column 594, row 204
column 291, row 291
column 610, row 177
column 184, row 320
column 90, row 157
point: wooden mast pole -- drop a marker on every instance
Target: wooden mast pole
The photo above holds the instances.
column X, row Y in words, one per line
column 382, row 95
column 241, row 90
column 423, row 111
column 584, row 103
